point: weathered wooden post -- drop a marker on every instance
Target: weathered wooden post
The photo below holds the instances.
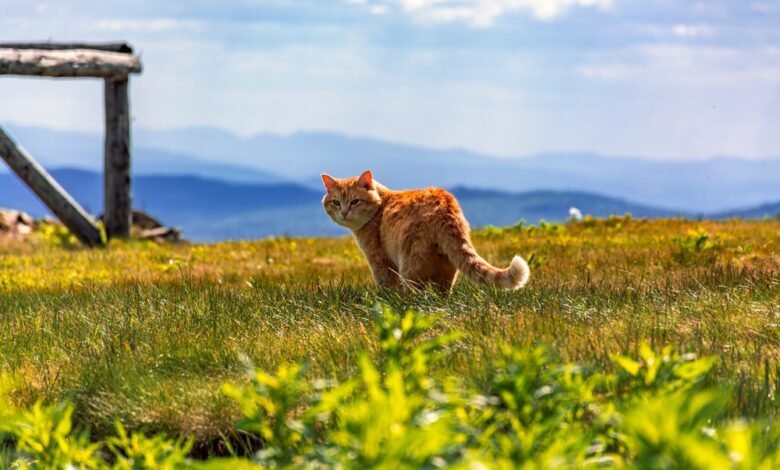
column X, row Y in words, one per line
column 118, row 204
column 113, row 62
column 46, row 188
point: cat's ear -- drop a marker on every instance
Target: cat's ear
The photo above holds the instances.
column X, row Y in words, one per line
column 328, row 181
column 366, row 180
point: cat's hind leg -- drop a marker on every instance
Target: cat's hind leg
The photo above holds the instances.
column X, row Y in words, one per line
column 425, row 266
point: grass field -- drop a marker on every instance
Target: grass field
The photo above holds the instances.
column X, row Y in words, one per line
column 147, row 334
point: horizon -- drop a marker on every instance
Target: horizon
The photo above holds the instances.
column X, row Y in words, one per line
column 659, row 80
column 98, row 133
column 695, row 186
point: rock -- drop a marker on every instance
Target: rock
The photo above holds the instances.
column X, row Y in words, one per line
column 15, row 222
column 146, row 227
column 144, row 221
column 167, row 234
column 149, row 228
column 24, row 218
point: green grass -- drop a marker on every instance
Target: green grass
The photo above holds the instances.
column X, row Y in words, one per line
column 147, row 334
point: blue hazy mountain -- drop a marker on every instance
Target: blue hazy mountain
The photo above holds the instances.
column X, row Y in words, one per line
column 55, row 148
column 208, row 209
column 486, row 207
column 770, row 210
column 188, row 202
column 716, row 184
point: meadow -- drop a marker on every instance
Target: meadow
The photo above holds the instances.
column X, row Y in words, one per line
column 148, row 334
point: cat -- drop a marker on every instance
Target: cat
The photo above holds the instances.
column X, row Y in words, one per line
column 412, row 238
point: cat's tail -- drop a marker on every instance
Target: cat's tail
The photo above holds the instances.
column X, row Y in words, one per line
column 462, row 254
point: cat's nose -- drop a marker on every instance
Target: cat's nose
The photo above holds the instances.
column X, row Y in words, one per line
column 344, row 213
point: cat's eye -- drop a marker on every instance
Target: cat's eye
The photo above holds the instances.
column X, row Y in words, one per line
column 335, row 203
column 354, row 202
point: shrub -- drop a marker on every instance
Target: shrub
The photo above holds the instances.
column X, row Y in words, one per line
column 533, row 411
column 697, row 243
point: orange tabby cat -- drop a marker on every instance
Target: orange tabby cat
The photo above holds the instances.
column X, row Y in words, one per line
column 413, row 237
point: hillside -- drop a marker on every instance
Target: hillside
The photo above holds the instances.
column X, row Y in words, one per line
column 64, row 149
column 759, row 212
column 691, row 186
column 210, row 210
column 501, row 208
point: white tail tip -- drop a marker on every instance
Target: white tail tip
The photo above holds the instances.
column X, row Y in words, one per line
column 521, row 272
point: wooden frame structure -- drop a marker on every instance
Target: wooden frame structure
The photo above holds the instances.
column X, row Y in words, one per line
column 113, row 62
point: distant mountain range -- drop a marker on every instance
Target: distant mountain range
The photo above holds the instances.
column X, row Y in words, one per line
column 211, row 209
column 717, row 184
column 758, row 212
column 64, row 149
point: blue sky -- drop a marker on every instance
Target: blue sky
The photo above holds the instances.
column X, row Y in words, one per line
column 655, row 78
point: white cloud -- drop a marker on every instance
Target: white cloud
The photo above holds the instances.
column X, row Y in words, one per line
column 482, row 13
column 764, row 7
column 693, row 30
column 682, row 64
column 679, row 30
column 153, row 25
column 646, row 79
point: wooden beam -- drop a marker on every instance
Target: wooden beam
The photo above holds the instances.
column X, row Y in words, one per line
column 68, row 63
column 58, row 46
column 49, row 191
column 117, row 197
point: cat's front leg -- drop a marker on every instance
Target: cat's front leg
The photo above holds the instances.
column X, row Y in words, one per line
column 383, row 270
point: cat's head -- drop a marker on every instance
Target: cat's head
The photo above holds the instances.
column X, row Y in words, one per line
column 351, row 202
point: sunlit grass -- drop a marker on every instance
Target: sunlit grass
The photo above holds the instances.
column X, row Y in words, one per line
column 147, row 333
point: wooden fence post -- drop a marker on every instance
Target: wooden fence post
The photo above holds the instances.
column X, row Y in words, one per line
column 49, row 191
column 113, row 62
column 118, row 203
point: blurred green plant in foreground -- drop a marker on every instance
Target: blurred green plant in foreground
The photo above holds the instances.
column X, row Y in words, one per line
column 532, row 411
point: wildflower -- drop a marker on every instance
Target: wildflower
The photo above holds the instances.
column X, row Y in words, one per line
column 575, row 215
